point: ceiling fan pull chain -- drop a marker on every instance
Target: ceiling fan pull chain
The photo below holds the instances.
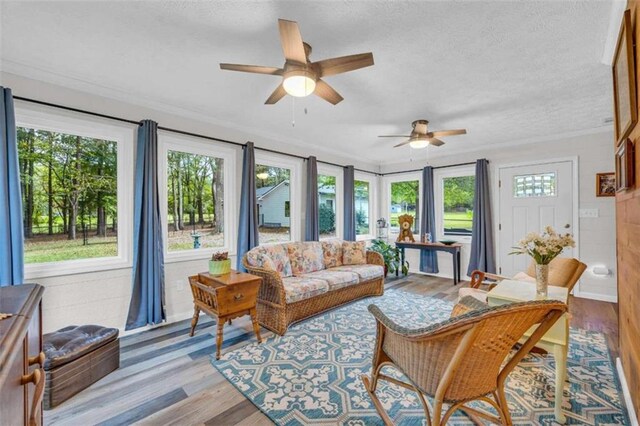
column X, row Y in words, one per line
column 293, row 111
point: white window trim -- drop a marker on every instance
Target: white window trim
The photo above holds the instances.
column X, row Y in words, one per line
column 403, row 177
column 295, row 187
column 373, row 207
column 336, row 172
column 44, row 118
column 171, row 142
column 438, row 181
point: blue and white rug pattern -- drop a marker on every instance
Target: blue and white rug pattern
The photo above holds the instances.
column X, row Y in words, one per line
column 312, row 374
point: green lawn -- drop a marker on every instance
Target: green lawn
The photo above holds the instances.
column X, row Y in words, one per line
column 451, row 219
column 47, row 250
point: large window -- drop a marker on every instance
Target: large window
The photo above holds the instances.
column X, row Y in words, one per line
column 69, row 196
column 362, row 194
column 458, row 204
column 327, row 206
column 195, row 201
column 273, row 193
column 404, row 200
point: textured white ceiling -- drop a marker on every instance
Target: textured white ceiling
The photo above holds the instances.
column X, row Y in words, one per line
column 506, row 71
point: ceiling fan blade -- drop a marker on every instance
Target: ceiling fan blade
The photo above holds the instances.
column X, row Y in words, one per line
column 394, row 136
column 448, row 132
column 291, row 40
column 327, row 92
column 276, row 95
column 343, row 64
column 257, row 69
column 436, row 142
column 402, row 143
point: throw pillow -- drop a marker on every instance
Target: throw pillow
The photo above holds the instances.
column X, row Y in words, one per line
column 354, row 253
column 332, row 253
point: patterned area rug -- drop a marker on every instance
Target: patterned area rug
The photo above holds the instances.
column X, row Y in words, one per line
column 312, row 374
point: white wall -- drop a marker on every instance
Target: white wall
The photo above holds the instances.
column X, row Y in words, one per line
column 103, row 297
column 597, row 235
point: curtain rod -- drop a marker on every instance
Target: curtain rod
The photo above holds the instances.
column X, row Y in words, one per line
column 181, row 132
column 437, row 167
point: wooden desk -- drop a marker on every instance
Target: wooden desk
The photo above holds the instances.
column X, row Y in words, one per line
column 454, row 249
column 225, row 297
column 555, row 341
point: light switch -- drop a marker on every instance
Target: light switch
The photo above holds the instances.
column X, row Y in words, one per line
column 589, row 213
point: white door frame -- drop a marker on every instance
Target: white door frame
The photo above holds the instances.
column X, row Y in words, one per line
column 576, row 202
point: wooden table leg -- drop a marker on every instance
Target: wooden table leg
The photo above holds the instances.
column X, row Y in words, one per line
column 219, row 337
column 560, row 356
column 256, row 326
column 194, row 320
column 458, row 257
column 455, row 268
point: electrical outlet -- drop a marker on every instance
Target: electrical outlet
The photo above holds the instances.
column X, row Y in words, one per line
column 589, row 213
column 180, row 285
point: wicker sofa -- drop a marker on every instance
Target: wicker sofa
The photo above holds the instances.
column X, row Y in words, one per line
column 300, row 280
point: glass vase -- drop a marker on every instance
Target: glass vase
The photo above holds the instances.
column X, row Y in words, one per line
column 542, row 281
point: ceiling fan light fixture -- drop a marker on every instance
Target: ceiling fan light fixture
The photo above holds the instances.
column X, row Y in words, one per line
column 299, row 83
column 418, row 143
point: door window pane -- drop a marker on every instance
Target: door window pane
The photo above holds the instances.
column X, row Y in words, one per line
column 536, row 185
column 195, row 201
column 273, row 194
column 362, row 199
column 69, row 196
column 404, row 200
column 458, row 204
column 327, row 206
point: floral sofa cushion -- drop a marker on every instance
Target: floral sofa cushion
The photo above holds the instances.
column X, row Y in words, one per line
column 332, row 251
column 271, row 256
column 354, row 253
column 336, row 279
column 366, row 272
column 305, row 257
column 301, row 288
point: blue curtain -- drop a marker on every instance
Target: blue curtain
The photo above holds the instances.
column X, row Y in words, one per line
column 428, row 259
column 482, row 249
column 11, row 231
column 147, row 299
column 349, row 204
column 311, row 223
column 248, row 222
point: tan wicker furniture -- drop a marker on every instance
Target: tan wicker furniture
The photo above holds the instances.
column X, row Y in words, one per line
column 563, row 272
column 461, row 359
column 224, row 297
column 284, row 299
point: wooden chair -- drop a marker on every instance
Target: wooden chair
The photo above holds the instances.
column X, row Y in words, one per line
column 563, row 272
column 461, row 359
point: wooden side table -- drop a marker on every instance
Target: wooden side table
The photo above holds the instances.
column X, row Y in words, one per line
column 225, row 297
column 555, row 341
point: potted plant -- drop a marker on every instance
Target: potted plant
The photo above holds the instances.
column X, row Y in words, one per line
column 391, row 256
column 220, row 263
column 543, row 248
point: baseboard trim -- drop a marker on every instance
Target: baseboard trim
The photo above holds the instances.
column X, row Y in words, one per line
column 625, row 392
column 596, row 296
column 170, row 319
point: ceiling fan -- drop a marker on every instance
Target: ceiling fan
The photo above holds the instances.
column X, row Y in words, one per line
column 420, row 137
column 301, row 77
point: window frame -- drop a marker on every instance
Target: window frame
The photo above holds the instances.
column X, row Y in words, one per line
column 396, row 178
column 438, row 178
column 338, row 174
column 373, row 207
column 47, row 119
column 190, row 145
column 295, row 187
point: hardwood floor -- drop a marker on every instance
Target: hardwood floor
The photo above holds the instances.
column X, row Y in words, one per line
column 165, row 376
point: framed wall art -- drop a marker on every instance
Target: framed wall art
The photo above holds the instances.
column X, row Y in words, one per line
column 624, row 82
column 625, row 173
column 606, row 184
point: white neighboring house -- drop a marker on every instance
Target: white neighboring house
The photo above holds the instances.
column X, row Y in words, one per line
column 273, row 205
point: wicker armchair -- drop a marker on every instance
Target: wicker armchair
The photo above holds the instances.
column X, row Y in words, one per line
column 275, row 314
column 563, row 272
column 461, row 359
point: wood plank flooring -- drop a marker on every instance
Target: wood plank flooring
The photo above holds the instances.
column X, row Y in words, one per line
column 165, row 377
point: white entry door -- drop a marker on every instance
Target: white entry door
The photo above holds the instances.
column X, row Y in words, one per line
column 532, row 197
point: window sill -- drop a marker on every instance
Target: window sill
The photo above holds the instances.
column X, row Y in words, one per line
column 194, row 254
column 74, row 267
